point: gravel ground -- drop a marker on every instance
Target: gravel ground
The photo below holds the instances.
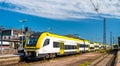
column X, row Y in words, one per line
column 74, row 60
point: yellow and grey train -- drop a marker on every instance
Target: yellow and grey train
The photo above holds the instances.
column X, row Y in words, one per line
column 48, row 45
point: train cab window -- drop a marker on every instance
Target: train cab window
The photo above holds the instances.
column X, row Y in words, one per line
column 56, row 44
column 46, row 42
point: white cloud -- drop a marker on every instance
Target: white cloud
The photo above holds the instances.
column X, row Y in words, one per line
column 64, row 9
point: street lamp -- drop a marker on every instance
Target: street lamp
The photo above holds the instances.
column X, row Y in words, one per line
column 22, row 21
column 1, row 29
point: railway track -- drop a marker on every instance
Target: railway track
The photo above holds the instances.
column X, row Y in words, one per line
column 59, row 60
column 106, row 60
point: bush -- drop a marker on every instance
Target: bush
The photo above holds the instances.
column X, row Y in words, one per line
column 82, row 65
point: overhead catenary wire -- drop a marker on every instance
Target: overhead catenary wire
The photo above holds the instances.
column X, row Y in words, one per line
column 95, row 7
column 104, row 21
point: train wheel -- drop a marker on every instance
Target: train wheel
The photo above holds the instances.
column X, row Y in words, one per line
column 52, row 55
column 47, row 56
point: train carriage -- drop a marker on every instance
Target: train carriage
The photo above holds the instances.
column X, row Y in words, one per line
column 96, row 46
column 49, row 45
column 100, row 45
column 87, row 45
column 92, row 46
column 82, row 46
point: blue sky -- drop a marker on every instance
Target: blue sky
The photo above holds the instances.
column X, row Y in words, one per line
column 63, row 17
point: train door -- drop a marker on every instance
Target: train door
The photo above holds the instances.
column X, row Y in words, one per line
column 89, row 47
column 61, row 47
column 78, row 46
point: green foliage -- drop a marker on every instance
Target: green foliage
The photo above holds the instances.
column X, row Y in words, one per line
column 108, row 51
column 26, row 65
column 82, row 65
column 102, row 51
column 85, row 64
column 105, row 51
column 115, row 46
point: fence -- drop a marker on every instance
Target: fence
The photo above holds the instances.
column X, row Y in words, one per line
column 9, row 51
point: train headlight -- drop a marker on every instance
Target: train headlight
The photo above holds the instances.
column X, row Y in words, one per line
column 36, row 54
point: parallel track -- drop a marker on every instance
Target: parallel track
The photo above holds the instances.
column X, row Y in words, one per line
column 106, row 60
column 27, row 62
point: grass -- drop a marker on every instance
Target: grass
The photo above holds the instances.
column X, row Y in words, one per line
column 85, row 64
column 105, row 51
column 82, row 65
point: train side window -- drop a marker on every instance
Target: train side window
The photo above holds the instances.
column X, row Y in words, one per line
column 66, row 47
column 56, row 44
column 86, row 45
column 46, row 42
column 82, row 45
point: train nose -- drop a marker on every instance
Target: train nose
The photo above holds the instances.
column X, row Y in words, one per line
column 31, row 54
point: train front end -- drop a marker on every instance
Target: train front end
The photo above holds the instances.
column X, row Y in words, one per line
column 31, row 45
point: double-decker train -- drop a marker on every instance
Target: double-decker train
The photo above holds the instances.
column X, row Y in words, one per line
column 48, row 45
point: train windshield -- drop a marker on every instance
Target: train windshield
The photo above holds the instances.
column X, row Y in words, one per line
column 32, row 41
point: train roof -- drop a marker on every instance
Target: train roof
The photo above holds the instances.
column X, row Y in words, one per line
column 54, row 35
column 59, row 36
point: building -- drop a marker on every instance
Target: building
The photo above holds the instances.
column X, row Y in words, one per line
column 5, row 45
column 12, row 36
